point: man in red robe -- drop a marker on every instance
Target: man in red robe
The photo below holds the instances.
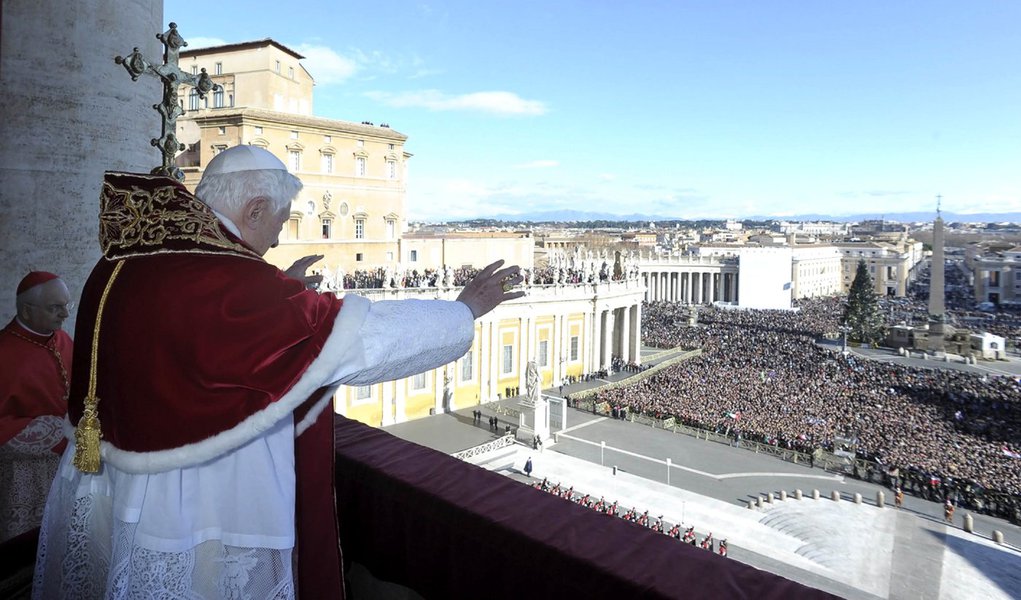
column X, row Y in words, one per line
column 34, row 381
column 201, row 462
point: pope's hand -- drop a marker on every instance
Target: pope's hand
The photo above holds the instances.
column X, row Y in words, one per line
column 491, row 287
column 300, row 266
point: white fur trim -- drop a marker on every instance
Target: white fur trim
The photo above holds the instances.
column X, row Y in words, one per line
column 337, row 347
column 313, row 413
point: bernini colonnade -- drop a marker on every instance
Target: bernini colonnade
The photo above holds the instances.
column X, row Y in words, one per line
column 690, row 279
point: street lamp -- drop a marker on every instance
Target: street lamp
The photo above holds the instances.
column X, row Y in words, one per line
column 844, row 329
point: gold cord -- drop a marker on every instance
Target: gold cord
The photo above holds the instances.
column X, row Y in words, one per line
column 88, row 432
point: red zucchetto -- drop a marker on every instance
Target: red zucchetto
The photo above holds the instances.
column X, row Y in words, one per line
column 35, row 278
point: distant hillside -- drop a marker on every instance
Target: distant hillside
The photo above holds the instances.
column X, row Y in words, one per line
column 573, row 216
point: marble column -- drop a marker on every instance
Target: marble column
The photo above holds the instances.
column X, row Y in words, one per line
column 607, row 339
column 69, row 114
column 636, row 334
column 625, row 334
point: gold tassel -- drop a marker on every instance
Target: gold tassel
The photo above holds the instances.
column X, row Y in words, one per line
column 86, row 437
column 88, row 433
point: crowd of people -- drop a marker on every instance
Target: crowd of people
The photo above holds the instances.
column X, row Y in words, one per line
column 762, row 375
column 961, row 308
column 384, row 278
column 656, row 524
column 447, row 277
column 619, row 364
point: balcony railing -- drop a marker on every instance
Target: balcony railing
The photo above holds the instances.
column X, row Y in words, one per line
column 447, row 529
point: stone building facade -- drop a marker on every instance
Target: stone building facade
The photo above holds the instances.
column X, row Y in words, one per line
column 892, row 266
column 353, row 207
column 997, row 277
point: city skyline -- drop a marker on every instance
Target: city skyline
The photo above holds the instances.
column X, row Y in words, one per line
column 732, row 110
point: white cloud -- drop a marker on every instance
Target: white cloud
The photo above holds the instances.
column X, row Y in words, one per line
column 539, row 164
column 376, row 61
column 420, row 70
column 498, row 103
column 195, row 43
column 450, row 199
column 326, row 65
column 422, row 73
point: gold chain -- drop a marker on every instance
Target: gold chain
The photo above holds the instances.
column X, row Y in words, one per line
column 89, row 432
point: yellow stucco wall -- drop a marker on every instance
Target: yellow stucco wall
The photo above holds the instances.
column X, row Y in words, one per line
column 366, row 411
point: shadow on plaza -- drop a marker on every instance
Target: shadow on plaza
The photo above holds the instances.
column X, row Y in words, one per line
column 469, row 420
column 1001, row 567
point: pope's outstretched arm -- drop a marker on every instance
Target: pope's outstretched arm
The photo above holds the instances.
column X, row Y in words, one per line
column 393, row 339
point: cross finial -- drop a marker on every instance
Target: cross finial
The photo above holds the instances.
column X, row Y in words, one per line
column 171, row 76
column 939, row 200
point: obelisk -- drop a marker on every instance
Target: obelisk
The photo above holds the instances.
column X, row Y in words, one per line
column 937, row 312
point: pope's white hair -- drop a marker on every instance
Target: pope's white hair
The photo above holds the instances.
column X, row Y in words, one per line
column 228, row 192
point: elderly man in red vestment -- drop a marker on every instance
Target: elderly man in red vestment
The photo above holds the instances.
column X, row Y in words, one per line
column 200, row 464
column 34, row 382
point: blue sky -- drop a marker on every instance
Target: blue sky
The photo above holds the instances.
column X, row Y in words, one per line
column 690, row 109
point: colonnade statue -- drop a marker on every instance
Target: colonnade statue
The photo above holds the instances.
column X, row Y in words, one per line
column 540, row 408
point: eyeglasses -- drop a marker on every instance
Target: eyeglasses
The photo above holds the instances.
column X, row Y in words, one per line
column 54, row 309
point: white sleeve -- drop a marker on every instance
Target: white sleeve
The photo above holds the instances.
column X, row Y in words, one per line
column 394, row 339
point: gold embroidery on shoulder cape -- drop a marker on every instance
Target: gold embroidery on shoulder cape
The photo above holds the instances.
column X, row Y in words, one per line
column 147, row 215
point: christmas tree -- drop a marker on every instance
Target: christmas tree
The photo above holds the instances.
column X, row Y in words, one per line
column 861, row 315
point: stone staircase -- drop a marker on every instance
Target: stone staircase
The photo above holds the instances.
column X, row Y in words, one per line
column 497, row 455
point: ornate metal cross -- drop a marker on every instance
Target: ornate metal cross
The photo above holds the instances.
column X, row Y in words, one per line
column 170, row 108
